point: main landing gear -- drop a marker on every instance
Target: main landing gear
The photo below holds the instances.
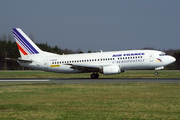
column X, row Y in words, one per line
column 94, row 75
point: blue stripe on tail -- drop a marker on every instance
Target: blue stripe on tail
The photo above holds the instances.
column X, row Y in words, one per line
column 24, row 42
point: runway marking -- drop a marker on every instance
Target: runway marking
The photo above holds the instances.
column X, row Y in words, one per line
column 24, row 80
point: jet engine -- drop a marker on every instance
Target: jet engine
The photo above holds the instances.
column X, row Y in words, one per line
column 110, row 70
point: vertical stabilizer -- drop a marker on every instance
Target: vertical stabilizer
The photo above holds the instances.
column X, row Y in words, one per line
column 26, row 46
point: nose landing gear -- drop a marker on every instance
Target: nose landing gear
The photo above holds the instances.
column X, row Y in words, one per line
column 156, row 73
column 158, row 68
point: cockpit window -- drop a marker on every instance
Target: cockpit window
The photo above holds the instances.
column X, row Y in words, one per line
column 162, row 54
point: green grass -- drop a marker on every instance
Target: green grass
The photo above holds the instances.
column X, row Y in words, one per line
column 127, row 74
column 90, row 101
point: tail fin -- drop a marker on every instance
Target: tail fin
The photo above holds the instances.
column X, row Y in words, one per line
column 26, row 46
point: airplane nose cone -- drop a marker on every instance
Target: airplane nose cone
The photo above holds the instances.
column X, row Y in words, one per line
column 169, row 60
column 172, row 59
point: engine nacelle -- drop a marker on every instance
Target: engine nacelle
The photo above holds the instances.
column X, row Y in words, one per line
column 113, row 69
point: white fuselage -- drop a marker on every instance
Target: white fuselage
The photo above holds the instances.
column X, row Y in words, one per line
column 126, row 60
column 107, row 63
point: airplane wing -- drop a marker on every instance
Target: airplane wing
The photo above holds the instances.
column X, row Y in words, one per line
column 86, row 68
column 23, row 60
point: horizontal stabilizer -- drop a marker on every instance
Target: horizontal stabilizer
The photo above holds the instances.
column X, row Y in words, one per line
column 23, row 60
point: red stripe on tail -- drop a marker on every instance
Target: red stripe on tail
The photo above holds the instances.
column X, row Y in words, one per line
column 20, row 48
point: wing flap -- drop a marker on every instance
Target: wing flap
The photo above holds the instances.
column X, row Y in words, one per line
column 86, row 68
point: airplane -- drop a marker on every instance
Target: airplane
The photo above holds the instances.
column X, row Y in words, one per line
column 107, row 63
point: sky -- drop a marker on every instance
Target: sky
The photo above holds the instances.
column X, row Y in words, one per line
column 108, row 25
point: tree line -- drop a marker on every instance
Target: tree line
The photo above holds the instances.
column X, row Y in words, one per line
column 9, row 49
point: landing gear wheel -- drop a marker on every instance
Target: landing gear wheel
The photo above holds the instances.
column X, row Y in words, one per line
column 94, row 76
column 156, row 73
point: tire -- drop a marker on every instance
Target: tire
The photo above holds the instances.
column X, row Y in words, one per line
column 156, row 73
column 94, row 76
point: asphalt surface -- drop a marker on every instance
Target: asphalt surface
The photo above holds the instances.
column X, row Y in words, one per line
column 82, row 80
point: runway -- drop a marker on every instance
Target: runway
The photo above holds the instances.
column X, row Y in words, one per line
column 82, row 80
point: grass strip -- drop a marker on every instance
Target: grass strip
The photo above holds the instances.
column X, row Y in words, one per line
column 127, row 74
column 91, row 101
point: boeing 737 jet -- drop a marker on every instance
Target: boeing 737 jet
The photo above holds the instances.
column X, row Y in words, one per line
column 107, row 63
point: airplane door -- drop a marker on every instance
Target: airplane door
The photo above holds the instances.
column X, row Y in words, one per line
column 46, row 64
column 151, row 57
